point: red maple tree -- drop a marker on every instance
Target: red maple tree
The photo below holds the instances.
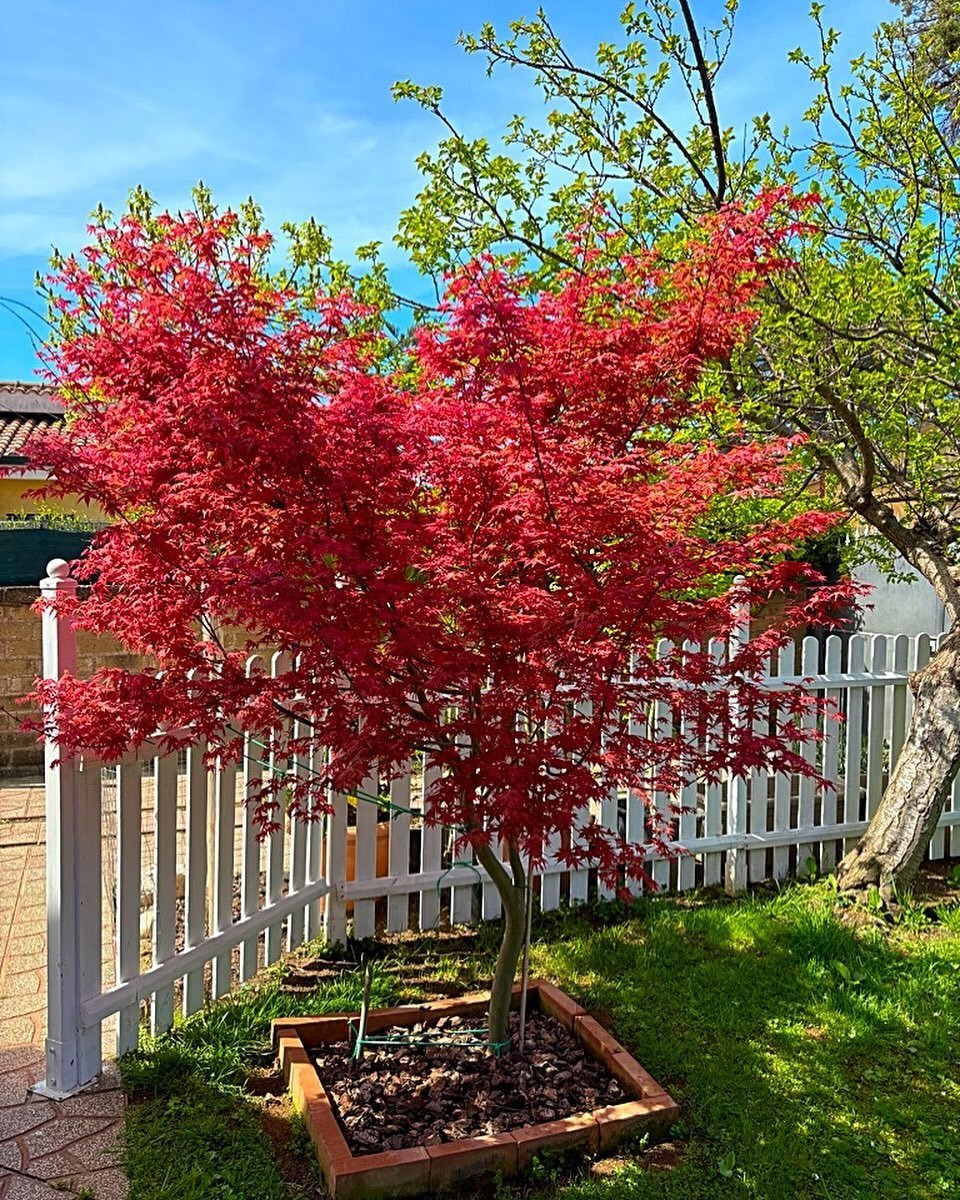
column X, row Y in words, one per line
column 473, row 555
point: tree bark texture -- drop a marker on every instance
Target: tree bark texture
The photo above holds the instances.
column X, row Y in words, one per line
column 891, row 850
column 512, row 894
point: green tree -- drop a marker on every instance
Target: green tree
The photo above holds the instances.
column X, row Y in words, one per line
column 935, row 27
column 858, row 347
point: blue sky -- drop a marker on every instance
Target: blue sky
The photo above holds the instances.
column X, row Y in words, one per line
column 289, row 103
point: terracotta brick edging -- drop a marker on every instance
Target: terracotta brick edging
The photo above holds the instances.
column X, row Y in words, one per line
column 415, row 1171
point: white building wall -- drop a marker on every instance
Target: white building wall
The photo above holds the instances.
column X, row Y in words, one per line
column 909, row 608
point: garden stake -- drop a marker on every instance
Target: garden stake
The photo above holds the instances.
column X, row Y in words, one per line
column 364, row 1006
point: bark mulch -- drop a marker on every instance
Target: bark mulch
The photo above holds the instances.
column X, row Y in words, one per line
column 395, row 1098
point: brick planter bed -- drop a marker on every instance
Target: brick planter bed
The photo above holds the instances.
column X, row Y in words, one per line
column 442, row 1167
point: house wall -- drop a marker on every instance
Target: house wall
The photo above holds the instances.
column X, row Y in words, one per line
column 909, row 608
column 13, row 500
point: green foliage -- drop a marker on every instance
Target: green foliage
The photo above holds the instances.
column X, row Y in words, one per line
column 45, row 516
column 604, row 142
column 857, row 348
column 934, row 25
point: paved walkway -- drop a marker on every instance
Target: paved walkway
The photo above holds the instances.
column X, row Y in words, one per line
column 47, row 1150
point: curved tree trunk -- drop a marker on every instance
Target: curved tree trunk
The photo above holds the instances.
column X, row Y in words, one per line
column 512, row 893
column 899, row 833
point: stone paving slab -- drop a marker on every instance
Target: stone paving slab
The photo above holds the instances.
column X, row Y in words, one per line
column 48, row 1149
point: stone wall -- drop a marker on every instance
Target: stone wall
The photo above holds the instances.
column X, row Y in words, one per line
column 20, row 664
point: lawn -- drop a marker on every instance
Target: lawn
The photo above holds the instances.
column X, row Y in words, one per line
column 813, row 1056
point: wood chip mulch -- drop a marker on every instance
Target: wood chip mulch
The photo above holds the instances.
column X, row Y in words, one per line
column 395, row 1098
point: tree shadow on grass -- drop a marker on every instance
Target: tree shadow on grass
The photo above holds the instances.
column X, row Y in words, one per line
column 809, row 1061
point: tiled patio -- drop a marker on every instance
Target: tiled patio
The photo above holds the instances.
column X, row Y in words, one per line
column 47, row 1149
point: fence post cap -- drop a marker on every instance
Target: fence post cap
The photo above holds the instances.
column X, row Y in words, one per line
column 58, row 568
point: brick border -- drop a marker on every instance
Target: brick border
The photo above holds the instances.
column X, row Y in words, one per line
column 421, row 1169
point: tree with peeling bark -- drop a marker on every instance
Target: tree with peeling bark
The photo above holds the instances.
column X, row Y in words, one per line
column 856, row 346
column 470, row 548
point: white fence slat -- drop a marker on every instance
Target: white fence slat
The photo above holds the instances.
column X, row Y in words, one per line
column 461, row 896
column 225, row 817
column 853, row 730
column 608, row 819
column 807, row 789
column 662, row 730
column 276, row 843
column 299, row 837
column 63, row 801
column 635, row 810
column 431, row 847
column 276, row 840
column 735, row 867
column 364, row 911
column 250, row 852
column 398, row 857
column 689, row 821
column 876, row 727
column 898, row 702
column 315, row 830
column 758, row 803
column 713, row 800
column 782, row 784
column 580, row 878
column 831, row 750
column 195, row 874
column 129, row 840
column 952, row 808
column 164, row 881
column 550, row 881
column 919, row 657
column 299, row 832
column 335, row 871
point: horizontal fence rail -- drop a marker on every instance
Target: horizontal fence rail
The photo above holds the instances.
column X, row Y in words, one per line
column 161, row 895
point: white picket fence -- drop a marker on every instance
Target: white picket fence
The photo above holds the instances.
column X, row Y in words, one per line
column 160, row 895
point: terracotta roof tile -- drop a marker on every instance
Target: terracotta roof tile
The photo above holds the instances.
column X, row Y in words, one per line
column 16, row 428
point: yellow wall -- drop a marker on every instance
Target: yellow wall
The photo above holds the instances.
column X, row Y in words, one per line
column 13, row 501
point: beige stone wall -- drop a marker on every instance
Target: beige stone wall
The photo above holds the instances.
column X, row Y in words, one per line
column 20, row 664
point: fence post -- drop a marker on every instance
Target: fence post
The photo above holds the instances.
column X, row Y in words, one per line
column 73, row 875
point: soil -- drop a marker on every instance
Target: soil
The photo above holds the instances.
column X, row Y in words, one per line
column 400, row 1097
column 297, row 1170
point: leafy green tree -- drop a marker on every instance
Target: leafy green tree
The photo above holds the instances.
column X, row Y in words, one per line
column 858, row 346
column 935, row 26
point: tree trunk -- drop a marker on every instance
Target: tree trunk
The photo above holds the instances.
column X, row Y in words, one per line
column 899, row 833
column 512, row 893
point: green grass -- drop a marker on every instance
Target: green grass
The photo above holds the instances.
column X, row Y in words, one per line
column 811, row 1060
column 192, row 1133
